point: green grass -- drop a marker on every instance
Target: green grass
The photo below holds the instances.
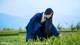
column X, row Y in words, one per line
column 10, row 32
column 13, row 40
column 71, row 39
column 66, row 39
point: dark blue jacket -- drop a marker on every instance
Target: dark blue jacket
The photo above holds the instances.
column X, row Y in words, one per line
column 34, row 24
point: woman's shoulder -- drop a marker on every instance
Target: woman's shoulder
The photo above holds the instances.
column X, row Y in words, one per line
column 38, row 14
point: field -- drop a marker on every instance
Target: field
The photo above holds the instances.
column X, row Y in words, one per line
column 67, row 38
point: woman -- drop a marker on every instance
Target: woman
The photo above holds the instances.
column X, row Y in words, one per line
column 41, row 26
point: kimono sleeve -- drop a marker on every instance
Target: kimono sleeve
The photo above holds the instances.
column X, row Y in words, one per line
column 33, row 25
column 55, row 31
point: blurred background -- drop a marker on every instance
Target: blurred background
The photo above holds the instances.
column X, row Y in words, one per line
column 15, row 14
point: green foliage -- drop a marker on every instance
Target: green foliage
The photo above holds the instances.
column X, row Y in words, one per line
column 72, row 27
column 8, row 32
column 78, row 26
column 59, row 27
column 66, row 39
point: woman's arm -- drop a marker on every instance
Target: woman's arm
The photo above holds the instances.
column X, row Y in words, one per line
column 55, row 31
column 33, row 24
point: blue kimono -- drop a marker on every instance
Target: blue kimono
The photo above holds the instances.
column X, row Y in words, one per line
column 34, row 24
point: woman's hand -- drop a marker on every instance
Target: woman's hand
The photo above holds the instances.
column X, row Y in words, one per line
column 60, row 35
